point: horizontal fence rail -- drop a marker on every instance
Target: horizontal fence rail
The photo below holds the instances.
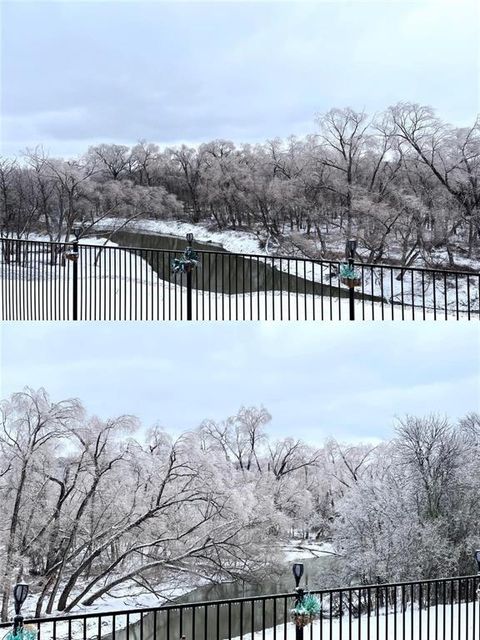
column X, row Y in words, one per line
column 71, row 281
column 445, row 609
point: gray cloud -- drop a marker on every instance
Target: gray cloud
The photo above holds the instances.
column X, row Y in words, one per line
column 74, row 73
column 315, row 380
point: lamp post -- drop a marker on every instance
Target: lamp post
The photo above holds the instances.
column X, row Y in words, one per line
column 189, row 238
column 77, row 230
column 20, row 593
column 476, row 555
column 350, row 249
column 297, row 570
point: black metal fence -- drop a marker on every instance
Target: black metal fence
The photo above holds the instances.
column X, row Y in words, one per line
column 58, row 281
column 445, row 609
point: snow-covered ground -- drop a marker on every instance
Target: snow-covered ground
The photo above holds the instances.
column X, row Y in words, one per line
column 461, row 622
column 304, row 549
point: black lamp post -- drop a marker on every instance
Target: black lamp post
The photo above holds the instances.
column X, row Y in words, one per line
column 189, row 238
column 20, row 593
column 297, row 570
column 350, row 249
column 476, row 555
column 77, row 230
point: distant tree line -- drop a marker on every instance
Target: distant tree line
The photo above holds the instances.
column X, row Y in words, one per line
column 404, row 182
column 91, row 507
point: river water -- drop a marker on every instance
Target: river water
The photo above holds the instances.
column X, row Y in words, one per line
column 226, row 620
column 222, row 272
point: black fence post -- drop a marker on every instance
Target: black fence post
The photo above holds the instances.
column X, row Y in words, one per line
column 350, row 255
column 189, row 280
column 298, row 598
column 351, row 295
column 75, row 279
column 297, row 570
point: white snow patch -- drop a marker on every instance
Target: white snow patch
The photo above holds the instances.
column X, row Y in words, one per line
column 304, row 549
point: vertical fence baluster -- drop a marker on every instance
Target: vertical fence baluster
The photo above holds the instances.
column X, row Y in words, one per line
column 412, row 285
column 428, row 609
column 280, row 287
column 229, row 621
column 420, row 608
column 241, row 619
column 274, row 618
column 392, row 295
column 264, row 621
column 445, row 295
column 252, row 628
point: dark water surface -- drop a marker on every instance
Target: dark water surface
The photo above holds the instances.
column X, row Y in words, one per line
column 226, row 620
column 222, row 272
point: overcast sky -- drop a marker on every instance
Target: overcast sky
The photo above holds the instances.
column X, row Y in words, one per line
column 316, row 380
column 77, row 73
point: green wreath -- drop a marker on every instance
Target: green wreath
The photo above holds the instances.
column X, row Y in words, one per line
column 348, row 272
column 186, row 263
column 306, row 610
column 27, row 632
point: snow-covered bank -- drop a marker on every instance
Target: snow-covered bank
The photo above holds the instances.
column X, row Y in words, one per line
column 304, row 549
column 234, row 241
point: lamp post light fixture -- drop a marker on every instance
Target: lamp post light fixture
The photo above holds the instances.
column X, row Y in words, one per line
column 297, row 570
column 20, row 593
column 350, row 249
column 476, row 555
column 189, row 237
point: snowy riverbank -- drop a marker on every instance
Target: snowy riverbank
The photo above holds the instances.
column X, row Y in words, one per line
column 234, row 241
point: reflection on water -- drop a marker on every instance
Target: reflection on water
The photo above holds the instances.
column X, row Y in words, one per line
column 227, row 620
column 223, row 272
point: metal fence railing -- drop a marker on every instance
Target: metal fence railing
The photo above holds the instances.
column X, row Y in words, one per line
column 71, row 281
column 443, row 609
